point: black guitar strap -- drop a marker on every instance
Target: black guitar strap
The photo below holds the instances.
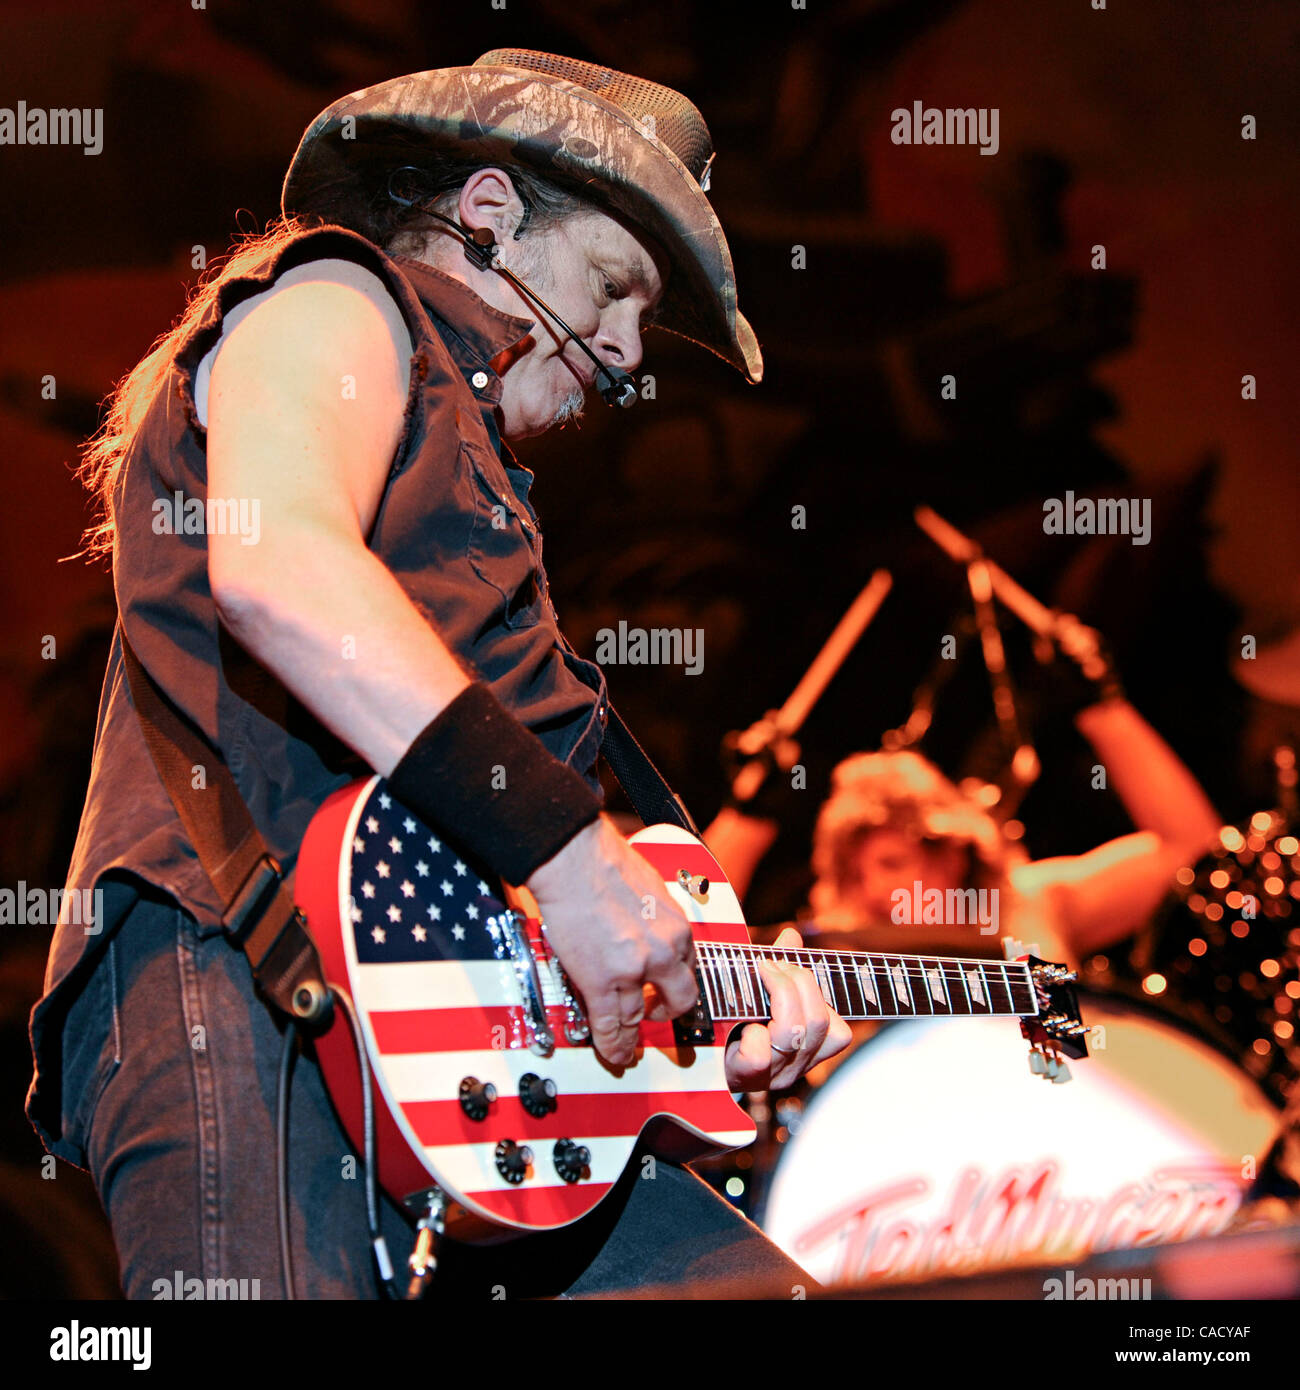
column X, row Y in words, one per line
column 651, row 796
column 642, row 782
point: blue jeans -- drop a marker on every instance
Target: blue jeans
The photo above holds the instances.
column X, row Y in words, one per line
column 170, row 1066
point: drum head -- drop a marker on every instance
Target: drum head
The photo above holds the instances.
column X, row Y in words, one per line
column 934, row 1151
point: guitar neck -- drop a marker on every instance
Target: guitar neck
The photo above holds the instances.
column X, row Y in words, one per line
column 862, row 985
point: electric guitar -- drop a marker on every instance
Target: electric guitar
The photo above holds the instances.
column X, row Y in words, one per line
column 490, row 1102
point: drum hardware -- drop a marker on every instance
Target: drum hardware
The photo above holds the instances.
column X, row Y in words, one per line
column 1023, row 766
column 986, row 581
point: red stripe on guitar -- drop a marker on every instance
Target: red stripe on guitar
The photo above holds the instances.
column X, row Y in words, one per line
column 667, row 859
column 399, row 1031
column 658, row 1033
column 541, row 1206
column 616, row 1114
column 735, row 933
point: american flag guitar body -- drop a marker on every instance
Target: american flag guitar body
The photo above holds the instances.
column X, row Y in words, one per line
column 487, row 1090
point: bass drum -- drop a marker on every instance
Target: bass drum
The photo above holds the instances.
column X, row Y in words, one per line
column 933, row 1151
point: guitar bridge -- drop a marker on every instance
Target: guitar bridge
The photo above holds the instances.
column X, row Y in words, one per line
column 513, row 926
column 576, row 1028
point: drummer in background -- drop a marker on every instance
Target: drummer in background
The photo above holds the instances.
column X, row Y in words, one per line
column 894, row 821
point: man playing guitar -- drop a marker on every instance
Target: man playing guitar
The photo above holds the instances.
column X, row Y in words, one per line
column 353, row 376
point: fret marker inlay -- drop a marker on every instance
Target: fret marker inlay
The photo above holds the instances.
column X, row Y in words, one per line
column 868, row 981
column 900, row 986
column 822, row 973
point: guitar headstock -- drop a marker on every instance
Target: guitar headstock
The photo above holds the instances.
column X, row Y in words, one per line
column 1058, row 1027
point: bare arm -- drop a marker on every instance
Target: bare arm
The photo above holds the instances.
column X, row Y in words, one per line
column 309, row 600
column 739, row 842
column 1101, row 897
column 1112, row 890
column 323, row 613
column 1152, row 781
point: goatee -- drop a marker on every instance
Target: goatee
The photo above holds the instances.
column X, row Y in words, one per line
column 570, row 408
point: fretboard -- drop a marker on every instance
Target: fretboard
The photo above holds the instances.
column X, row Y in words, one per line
column 868, row 984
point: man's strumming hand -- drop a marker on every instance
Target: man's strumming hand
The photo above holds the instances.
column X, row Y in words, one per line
column 615, row 929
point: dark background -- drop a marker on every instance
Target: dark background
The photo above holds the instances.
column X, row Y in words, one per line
column 1120, row 127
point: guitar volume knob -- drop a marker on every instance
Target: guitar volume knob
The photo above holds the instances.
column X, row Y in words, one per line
column 572, row 1161
column 513, row 1160
column 476, row 1096
column 537, row 1094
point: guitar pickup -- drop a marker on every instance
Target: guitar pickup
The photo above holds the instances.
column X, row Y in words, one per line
column 695, row 1027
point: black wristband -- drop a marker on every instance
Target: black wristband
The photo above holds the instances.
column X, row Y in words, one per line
column 490, row 785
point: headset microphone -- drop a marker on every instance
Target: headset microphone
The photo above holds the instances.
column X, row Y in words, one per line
column 481, row 250
column 621, row 389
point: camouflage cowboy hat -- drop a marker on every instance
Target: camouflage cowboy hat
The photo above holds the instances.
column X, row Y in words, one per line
column 640, row 149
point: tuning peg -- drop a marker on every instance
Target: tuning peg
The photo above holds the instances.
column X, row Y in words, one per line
column 1059, row 1073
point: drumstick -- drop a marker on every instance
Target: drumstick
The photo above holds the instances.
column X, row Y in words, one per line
column 790, row 717
column 1020, row 601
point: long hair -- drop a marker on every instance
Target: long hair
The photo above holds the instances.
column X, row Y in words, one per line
column 105, row 452
column 395, row 225
column 906, row 792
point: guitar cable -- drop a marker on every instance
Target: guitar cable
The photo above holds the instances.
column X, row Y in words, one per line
column 281, row 1157
column 378, row 1244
